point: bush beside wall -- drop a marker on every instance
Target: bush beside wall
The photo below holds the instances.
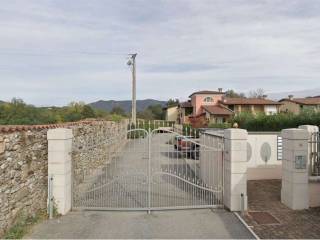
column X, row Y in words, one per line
column 277, row 122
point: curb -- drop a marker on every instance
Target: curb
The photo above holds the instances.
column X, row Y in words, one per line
column 246, row 225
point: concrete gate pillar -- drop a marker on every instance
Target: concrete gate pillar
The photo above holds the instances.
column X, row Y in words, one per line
column 311, row 129
column 59, row 167
column 235, row 169
column 295, row 189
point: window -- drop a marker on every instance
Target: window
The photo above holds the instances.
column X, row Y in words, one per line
column 219, row 120
column 208, row 99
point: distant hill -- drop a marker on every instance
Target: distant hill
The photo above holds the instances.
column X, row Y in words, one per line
column 126, row 104
column 296, row 94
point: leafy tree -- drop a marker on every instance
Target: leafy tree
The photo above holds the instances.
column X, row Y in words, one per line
column 153, row 112
column 157, row 111
column 172, row 102
column 146, row 114
column 18, row 112
column 118, row 110
column 232, row 94
column 87, row 112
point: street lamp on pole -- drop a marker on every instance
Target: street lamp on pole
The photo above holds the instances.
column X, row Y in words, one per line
column 132, row 62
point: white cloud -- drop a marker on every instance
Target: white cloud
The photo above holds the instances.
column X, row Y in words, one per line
column 78, row 49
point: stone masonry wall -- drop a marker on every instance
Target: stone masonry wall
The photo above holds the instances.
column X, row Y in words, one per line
column 94, row 147
column 24, row 162
column 23, row 174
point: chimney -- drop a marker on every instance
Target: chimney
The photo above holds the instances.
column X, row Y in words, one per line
column 220, row 89
column 290, row 97
column 264, row 96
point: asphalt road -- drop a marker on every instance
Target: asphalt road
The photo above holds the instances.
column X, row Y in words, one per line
column 178, row 224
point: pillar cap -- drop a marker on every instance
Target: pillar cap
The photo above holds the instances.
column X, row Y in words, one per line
column 295, row 134
column 59, row 134
column 309, row 128
column 236, row 134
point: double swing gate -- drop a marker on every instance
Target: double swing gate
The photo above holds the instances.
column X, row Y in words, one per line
column 149, row 168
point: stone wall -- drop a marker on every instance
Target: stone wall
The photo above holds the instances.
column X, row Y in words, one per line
column 24, row 162
column 94, row 146
column 23, row 174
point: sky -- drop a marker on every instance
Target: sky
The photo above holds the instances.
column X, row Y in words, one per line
column 53, row 52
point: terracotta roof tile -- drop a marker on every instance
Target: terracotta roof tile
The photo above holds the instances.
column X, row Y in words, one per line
column 304, row 101
column 217, row 110
column 185, row 104
column 18, row 128
column 207, row 92
column 249, row 101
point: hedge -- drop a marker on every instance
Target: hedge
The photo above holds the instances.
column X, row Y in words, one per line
column 277, row 122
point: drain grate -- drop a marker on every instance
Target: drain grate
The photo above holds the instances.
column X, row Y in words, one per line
column 263, row 218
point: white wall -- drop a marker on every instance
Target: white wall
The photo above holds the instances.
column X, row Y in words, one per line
column 262, row 156
column 269, row 109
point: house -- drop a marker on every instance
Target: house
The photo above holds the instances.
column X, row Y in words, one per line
column 252, row 105
column 296, row 105
column 214, row 107
column 185, row 110
column 171, row 113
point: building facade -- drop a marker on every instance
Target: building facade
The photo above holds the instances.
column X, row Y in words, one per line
column 172, row 113
column 296, row 105
column 215, row 107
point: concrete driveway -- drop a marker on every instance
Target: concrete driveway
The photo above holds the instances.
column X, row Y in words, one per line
column 187, row 224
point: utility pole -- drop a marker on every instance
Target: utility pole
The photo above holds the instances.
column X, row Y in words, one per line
column 132, row 62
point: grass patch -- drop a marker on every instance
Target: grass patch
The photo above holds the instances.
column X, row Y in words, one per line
column 24, row 224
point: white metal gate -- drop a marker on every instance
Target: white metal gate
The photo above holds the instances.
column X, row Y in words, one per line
column 155, row 169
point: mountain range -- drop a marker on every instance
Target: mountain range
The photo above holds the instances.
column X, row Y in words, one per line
column 125, row 104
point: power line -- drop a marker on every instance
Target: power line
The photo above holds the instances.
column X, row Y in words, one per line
column 5, row 52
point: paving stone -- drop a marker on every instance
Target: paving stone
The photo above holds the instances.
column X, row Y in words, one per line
column 264, row 195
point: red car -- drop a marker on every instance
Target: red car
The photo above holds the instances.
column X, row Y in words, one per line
column 182, row 143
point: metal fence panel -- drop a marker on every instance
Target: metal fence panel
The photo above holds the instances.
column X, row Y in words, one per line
column 156, row 168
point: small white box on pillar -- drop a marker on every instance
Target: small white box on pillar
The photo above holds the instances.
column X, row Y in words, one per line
column 59, row 166
column 295, row 188
column 235, row 175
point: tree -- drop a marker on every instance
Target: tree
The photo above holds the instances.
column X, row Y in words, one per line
column 118, row 110
column 153, row 112
column 87, row 112
column 258, row 93
column 172, row 102
column 232, row 94
column 157, row 111
column 146, row 114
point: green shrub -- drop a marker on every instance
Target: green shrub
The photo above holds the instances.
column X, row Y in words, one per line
column 277, row 122
column 17, row 112
column 23, row 224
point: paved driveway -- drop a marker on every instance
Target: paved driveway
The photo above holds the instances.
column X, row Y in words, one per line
column 190, row 224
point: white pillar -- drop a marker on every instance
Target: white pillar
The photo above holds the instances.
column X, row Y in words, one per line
column 59, row 166
column 235, row 169
column 311, row 129
column 295, row 189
